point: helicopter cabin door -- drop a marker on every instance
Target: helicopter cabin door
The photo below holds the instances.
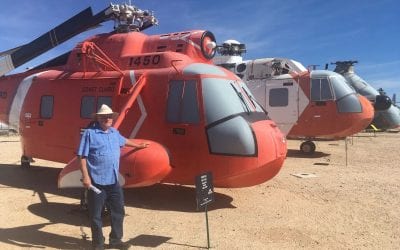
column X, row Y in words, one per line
column 281, row 101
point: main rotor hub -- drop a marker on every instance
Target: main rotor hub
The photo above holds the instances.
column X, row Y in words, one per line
column 231, row 48
column 130, row 18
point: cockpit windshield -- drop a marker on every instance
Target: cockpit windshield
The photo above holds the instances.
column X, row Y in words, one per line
column 340, row 86
column 224, row 98
column 324, row 82
column 327, row 85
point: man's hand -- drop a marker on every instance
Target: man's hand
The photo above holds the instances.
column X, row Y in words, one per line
column 143, row 145
column 137, row 145
column 86, row 181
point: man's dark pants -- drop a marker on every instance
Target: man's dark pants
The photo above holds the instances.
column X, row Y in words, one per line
column 112, row 196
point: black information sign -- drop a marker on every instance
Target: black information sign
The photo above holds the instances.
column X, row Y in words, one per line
column 204, row 189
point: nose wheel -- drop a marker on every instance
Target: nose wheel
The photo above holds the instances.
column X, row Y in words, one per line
column 307, row 147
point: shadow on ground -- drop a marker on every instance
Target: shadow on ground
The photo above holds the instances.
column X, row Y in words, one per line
column 43, row 181
column 298, row 154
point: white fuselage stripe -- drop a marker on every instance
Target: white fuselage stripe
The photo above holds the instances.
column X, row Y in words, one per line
column 18, row 101
column 6, row 64
column 141, row 107
column 141, row 119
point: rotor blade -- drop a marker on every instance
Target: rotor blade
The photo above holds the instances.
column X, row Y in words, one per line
column 17, row 56
column 79, row 23
column 57, row 61
column 102, row 16
column 8, row 52
column 73, row 26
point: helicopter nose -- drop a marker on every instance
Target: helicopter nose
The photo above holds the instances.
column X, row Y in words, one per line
column 364, row 118
column 267, row 161
column 272, row 149
column 367, row 107
column 271, row 158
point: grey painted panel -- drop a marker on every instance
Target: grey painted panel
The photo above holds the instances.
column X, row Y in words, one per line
column 387, row 119
column 202, row 68
column 349, row 104
column 361, row 86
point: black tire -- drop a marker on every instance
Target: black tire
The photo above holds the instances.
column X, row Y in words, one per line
column 307, row 147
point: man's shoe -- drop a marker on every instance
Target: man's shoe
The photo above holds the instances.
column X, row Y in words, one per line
column 100, row 246
column 119, row 245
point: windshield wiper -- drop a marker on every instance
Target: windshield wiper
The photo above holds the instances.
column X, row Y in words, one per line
column 241, row 98
column 251, row 98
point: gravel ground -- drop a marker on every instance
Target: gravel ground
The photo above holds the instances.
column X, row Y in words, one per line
column 353, row 205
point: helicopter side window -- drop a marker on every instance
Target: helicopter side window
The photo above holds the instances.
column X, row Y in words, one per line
column 321, row 90
column 46, row 107
column 278, row 97
column 182, row 106
column 88, row 105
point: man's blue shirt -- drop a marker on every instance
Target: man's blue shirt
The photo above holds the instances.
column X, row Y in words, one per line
column 102, row 151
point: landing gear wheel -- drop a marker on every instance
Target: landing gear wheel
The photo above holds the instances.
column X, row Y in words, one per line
column 25, row 161
column 307, row 147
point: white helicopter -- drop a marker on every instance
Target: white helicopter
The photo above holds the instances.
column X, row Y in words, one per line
column 307, row 105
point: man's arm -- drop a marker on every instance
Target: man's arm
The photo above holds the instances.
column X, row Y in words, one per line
column 85, row 174
column 136, row 145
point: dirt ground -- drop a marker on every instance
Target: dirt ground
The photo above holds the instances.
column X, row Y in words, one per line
column 353, row 206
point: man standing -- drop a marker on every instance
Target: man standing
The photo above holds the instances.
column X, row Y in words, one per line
column 99, row 153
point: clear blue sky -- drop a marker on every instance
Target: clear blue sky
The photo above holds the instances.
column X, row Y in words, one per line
column 309, row 31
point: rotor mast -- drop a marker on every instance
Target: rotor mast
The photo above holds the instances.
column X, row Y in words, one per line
column 129, row 18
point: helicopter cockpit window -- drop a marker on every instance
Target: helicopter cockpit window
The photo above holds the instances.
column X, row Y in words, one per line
column 250, row 97
column 227, row 104
column 236, row 99
column 46, row 106
column 278, row 97
column 182, row 104
column 89, row 106
column 340, row 86
column 320, row 89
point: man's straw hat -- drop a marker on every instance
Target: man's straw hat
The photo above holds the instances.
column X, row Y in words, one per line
column 105, row 110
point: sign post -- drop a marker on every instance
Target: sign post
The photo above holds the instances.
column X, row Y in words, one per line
column 204, row 196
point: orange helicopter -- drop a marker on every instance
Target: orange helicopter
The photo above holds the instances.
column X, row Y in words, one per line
column 198, row 117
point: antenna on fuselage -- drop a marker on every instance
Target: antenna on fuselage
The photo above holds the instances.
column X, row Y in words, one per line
column 312, row 67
